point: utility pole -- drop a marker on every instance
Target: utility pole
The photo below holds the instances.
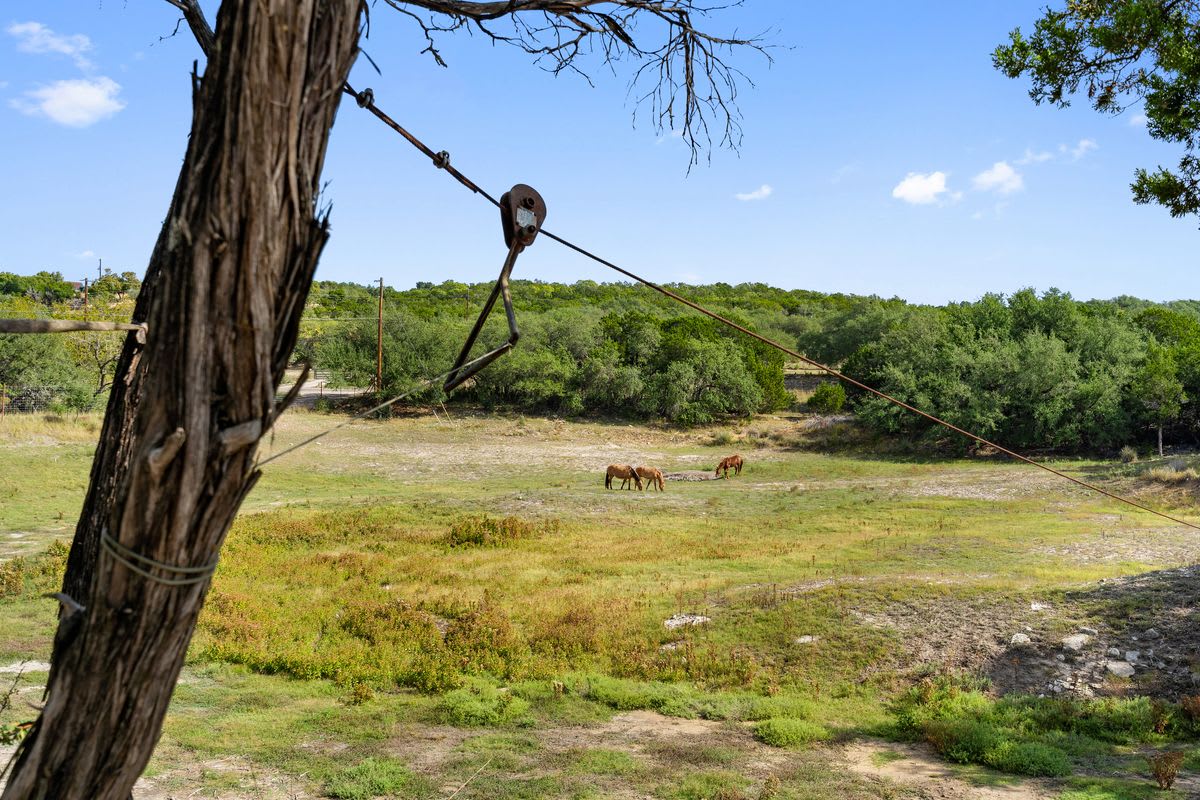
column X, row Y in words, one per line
column 99, row 268
column 379, row 344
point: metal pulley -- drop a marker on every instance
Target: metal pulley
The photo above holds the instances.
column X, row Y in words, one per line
column 522, row 212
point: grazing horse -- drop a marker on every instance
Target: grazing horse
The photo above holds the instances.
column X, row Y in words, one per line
column 624, row 472
column 654, row 475
column 733, row 462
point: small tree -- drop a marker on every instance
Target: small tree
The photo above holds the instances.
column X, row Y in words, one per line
column 1157, row 389
column 828, row 398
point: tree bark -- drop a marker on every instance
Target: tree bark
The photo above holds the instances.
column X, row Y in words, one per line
column 1160, row 449
column 222, row 301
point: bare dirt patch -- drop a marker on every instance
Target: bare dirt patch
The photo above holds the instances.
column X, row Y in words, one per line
column 1166, row 546
column 427, row 748
column 237, row 779
column 918, row 767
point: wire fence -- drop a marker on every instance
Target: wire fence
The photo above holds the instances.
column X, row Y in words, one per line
column 40, row 399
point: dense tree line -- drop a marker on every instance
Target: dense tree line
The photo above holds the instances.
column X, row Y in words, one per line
column 1040, row 371
column 1037, row 371
column 628, row 358
column 1030, row 371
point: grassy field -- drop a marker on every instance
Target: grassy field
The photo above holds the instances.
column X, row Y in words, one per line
column 414, row 606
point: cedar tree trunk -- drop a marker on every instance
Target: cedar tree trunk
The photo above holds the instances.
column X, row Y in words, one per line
column 224, row 292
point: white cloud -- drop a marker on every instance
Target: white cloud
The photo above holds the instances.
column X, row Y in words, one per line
column 76, row 103
column 1138, row 121
column 3, row 84
column 761, row 193
column 34, row 37
column 845, row 171
column 1080, row 150
column 1032, row 157
column 920, row 189
column 86, row 254
column 1000, row 178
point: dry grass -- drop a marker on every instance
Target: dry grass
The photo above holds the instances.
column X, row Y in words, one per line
column 1172, row 475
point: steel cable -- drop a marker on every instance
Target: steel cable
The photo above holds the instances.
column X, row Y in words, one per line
column 441, row 160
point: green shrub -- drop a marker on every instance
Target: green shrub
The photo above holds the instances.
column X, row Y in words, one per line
column 1128, row 455
column 1029, row 758
column 44, row 571
column 485, row 531
column 12, row 577
column 625, row 695
column 380, row 622
column 785, row 732
column 383, row 777
column 480, row 704
column 829, row 398
column 761, row 708
column 485, row 641
column 964, row 741
column 1123, row 721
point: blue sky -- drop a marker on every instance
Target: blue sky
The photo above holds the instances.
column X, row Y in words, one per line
column 898, row 161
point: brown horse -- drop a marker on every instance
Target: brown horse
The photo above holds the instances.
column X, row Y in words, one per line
column 733, row 462
column 655, row 476
column 624, row 472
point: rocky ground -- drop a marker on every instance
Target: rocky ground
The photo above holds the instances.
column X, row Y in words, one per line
column 1137, row 634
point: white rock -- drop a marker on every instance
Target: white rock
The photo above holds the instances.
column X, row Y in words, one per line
column 1152, row 634
column 1122, row 669
column 1019, row 639
column 1076, row 642
column 683, row 620
column 1113, row 652
column 1088, row 631
column 807, row 639
column 1036, row 606
column 1132, row 656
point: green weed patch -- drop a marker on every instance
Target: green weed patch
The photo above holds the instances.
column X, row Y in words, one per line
column 784, row 732
column 1029, row 735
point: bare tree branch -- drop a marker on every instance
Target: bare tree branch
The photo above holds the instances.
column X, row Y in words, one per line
column 682, row 78
column 199, row 26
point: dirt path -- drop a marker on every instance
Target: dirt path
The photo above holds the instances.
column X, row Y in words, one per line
column 917, row 767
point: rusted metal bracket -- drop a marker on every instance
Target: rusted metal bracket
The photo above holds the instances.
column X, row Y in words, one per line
column 522, row 212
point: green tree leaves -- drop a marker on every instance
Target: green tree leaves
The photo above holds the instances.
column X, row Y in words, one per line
column 1118, row 52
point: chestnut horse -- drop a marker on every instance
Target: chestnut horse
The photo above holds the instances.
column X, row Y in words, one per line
column 655, row 476
column 624, row 472
column 733, row 462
